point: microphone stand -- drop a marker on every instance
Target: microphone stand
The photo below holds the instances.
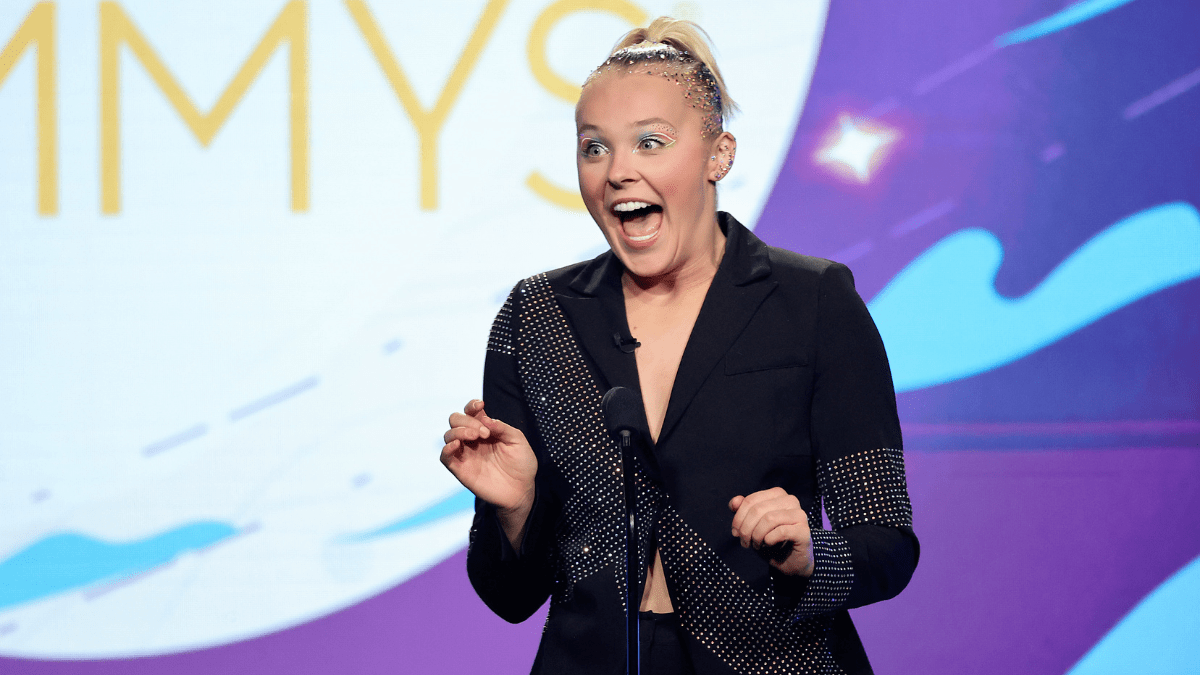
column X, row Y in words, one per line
column 622, row 410
column 632, row 601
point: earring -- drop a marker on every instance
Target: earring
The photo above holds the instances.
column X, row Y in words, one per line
column 725, row 167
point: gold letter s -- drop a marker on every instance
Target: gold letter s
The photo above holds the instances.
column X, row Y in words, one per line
column 557, row 85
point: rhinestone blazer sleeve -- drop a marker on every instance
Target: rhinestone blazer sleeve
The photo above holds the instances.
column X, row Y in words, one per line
column 871, row 552
column 513, row 584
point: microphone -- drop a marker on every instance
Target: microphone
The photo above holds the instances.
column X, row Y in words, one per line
column 622, row 411
column 776, row 552
column 624, row 416
column 626, row 345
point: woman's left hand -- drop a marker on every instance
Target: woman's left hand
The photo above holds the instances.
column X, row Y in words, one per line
column 769, row 517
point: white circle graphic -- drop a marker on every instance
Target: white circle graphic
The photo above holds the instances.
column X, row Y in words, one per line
column 230, row 348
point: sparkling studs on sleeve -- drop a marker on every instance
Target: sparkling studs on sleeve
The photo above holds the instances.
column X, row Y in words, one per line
column 832, row 578
column 500, row 339
column 866, row 487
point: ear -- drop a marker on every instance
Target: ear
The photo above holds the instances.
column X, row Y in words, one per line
column 724, row 147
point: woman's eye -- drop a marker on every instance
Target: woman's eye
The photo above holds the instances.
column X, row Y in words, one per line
column 593, row 149
column 653, row 143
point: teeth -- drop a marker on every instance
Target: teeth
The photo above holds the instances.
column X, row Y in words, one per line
column 644, row 237
column 630, row 206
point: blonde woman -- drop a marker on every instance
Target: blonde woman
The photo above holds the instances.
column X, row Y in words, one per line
column 767, row 396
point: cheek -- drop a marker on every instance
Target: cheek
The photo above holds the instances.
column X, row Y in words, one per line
column 682, row 180
column 591, row 179
column 591, row 188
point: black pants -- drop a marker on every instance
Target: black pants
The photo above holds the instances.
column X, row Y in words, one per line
column 663, row 650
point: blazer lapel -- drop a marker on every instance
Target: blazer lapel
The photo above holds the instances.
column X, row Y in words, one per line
column 594, row 305
column 741, row 284
column 596, row 310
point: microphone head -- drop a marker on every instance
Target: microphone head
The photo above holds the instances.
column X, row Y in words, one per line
column 622, row 410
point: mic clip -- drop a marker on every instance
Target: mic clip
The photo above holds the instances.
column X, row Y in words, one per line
column 626, row 345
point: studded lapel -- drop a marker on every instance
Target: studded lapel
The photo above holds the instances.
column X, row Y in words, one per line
column 595, row 307
column 596, row 311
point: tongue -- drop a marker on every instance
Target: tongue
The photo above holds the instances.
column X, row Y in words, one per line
column 645, row 222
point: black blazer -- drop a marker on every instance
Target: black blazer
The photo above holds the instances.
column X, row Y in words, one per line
column 784, row 382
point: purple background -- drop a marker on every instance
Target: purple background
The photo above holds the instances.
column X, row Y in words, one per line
column 1051, row 494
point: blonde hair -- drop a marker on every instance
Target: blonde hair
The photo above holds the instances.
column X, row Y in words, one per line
column 681, row 48
column 689, row 38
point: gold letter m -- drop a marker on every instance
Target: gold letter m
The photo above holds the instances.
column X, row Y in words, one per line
column 116, row 28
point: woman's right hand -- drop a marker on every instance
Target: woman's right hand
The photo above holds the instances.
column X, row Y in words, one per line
column 492, row 460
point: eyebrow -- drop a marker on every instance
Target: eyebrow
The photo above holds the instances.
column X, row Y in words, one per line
column 640, row 123
column 653, row 120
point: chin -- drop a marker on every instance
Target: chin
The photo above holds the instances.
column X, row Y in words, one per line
column 646, row 264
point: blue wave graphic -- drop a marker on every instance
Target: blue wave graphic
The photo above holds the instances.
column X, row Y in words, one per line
column 1069, row 16
column 67, row 561
column 942, row 319
column 1157, row 636
column 460, row 501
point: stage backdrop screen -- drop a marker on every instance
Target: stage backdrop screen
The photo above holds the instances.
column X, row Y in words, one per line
column 250, row 252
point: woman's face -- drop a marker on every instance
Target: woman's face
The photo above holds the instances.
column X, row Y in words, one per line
column 646, row 172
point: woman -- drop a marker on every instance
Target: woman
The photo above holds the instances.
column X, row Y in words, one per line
column 767, row 395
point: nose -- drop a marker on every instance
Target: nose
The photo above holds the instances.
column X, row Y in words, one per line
column 621, row 169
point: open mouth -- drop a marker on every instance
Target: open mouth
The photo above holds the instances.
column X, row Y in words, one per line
column 638, row 223
column 628, row 211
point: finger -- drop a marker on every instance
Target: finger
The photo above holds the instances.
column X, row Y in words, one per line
column 752, row 524
column 800, row 554
column 462, row 420
column 764, row 496
column 769, row 493
column 740, row 516
column 461, row 433
column 770, row 521
column 475, row 409
column 795, row 532
column 464, row 434
column 756, row 506
column 741, row 511
column 449, row 453
column 782, row 548
column 760, row 519
column 501, row 430
column 482, row 417
column 746, row 520
column 746, row 508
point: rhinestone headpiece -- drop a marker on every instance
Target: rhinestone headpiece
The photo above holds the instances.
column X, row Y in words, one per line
column 664, row 59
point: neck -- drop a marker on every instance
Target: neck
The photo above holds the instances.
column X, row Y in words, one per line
column 694, row 274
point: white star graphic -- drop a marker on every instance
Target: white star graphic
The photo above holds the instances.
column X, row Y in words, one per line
column 855, row 148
